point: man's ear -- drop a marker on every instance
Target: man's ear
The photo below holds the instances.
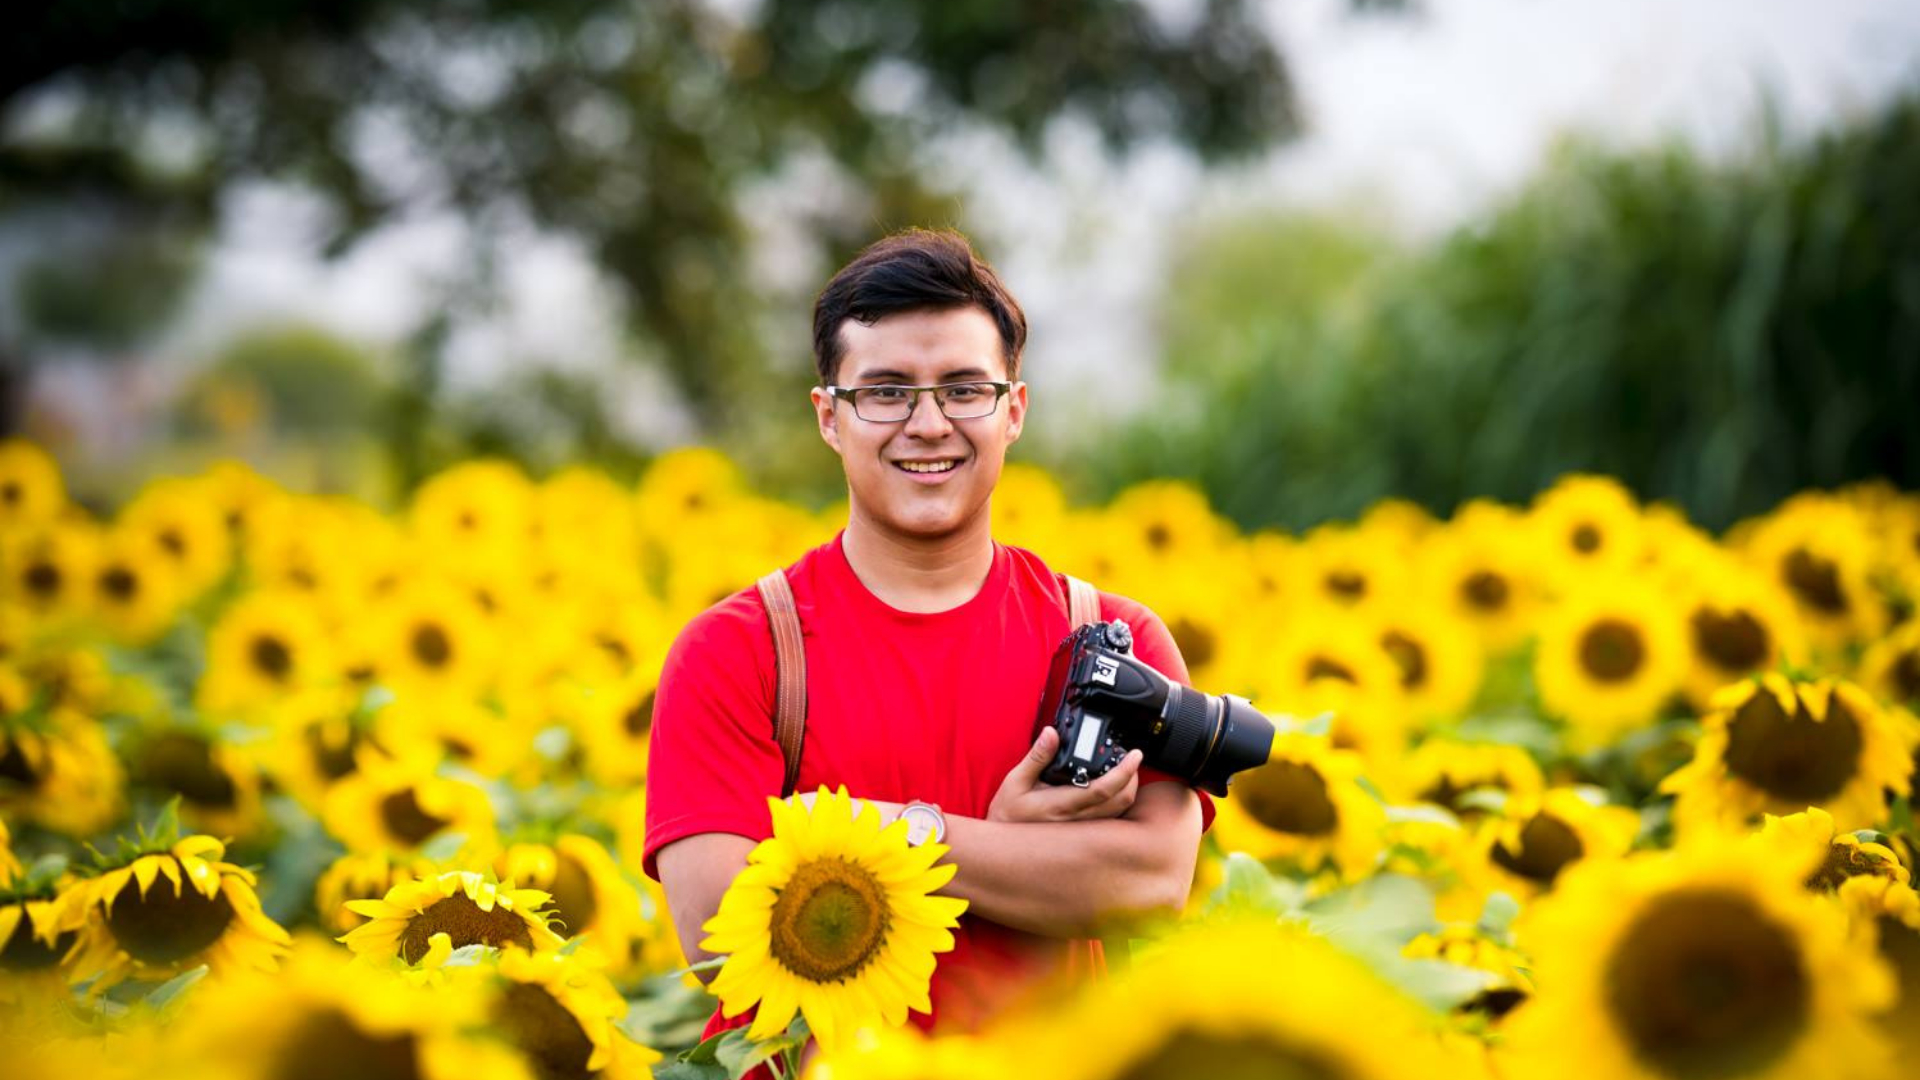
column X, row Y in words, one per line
column 827, row 416
column 1016, row 411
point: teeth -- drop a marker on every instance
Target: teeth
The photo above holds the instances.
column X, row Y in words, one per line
column 927, row 467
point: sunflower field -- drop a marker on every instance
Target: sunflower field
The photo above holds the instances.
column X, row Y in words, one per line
column 294, row 787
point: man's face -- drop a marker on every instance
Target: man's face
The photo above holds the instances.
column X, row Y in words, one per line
column 921, row 348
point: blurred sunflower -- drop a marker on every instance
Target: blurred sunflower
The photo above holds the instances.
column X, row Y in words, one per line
column 683, row 485
column 1345, row 567
column 218, row 784
column 1440, row 660
column 1029, row 508
column 34, row 938
column 1469, row 945
column 1304, row 806
column 622, row 631
column 1535, row 840
column 1200, row 612
column 1821, row 550
column 58, row 772
column 166, row 905
column 1886, row 919
column 174, row 522
column 366, row 876
column 614, row 723
column 582, row 520
column 463, row 907
column 1441, row 771
column 1204, row 1005
column 1891, row 666
column 1480, row 569
column 660, row 950
column 834, row 917
column 1830, row 858
column 459, row 729
column 1695, row 963
column 31, row 490
column 1778, row 747
column 47, row 567
column 1330, row 663
column 909, row 1054
column 1610, row 657
column 564, row 1014
column 432, row 637
column 136, row 588
column 591, row 897
column 1738, row 624
column 1169, row 523
column 268, row 644
column 315, row 738
column 330, row 549
column 320, row 1017
column 399, row 805
column 1585, row 525
column 477, row 516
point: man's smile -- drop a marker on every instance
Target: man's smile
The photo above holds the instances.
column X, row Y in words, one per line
column 929, row 470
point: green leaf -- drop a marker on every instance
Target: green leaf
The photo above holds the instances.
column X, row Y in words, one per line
column 163, row 995
column 444, row 847
column 706, row 1052
column 689, row 1070
column 1497, row 915
column 1382, row 913
column 1437, row 984
column 1247, row 886
column 704, row 965
column 742, row 1055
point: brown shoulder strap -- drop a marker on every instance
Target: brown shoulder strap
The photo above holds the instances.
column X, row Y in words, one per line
column 790, row 672
column 1083, row 602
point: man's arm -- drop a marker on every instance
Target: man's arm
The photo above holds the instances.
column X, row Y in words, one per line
column 695, row 872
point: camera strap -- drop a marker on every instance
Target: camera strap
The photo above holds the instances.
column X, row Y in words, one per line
column 1083, row 603
column 790, row 673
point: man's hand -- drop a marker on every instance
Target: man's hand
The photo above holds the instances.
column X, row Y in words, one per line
column 1023, row 797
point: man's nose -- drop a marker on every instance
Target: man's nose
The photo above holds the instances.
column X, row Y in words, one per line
column 926, row 420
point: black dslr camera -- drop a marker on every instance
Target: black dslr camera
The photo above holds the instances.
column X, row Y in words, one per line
column 1105, row 703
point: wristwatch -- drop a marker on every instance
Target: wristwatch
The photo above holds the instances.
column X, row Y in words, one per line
column 925, row 823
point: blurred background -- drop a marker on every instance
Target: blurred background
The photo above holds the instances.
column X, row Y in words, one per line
column 1306, row 254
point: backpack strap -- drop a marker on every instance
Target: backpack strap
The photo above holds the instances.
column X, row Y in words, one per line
column 790, row 672
column 1083, row 602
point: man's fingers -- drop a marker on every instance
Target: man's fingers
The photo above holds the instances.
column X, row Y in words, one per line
column 1116, row 780
column 1027, row 774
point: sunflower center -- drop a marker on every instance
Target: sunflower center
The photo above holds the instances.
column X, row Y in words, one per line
column 184, row 763
column 638, row 721
column 271, row 657
column 1816, row 581
column 461, row 919
column 1704, row 986
column 333, row 761
column 164, row 926
column 10, row 493
column 1547, row 845
column 1843, row 861
column 1410, row 655
column 22, row 951
column 327, row 1045
column 573, row 895
column 1197, row 643
column 1321, row 667
column 42, row 579
column 1159, row 536
column 430, row 645
column 404, row 817
column 1795, row 759
column 1611, row 650
column 1906, row 675
column 1486, row 590
column 1346, row 585
column 551, row 1037
column 120, row 584
column 175, row 544
column 1735, row 642
column 1288, row 797
column 1587, row 539
column 1188, row 1053
column 830, row 921
column 14, row 766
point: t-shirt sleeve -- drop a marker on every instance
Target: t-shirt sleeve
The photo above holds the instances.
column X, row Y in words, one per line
column 1153, row 644
column 713, row 759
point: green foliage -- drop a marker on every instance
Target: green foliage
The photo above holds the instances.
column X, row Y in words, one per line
column 309, row 382
column 1716, row 335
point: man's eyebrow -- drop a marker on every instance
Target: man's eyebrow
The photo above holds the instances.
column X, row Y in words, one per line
column 889, row 375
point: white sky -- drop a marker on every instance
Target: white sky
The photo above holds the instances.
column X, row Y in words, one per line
column 1419, row 120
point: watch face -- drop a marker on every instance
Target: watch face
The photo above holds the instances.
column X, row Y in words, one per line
column 922, row 823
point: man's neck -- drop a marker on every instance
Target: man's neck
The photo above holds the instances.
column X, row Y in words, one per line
column 919, row 574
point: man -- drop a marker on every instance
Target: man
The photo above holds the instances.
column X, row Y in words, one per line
column 927, row 646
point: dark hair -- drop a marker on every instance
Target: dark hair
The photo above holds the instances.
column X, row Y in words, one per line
column 915, row 270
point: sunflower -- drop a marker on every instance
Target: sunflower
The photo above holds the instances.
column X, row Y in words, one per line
column 477, row 514
column 322, row 1016
column 1169, row 523
column 1331, row 662
column 582, row 519
column 1029, row 508
column 1610, row 657
column 47, row 566
column 459, row 729
column 464, row 907
column 1202, row 615
column 1586, row 524
column 31, row 490
column 9, row 863
column 1470, row 945
column 399, row 805
column 268, row 644
column 1886, row 918
column 1694, row 963
column 433, row 637
column 682, row 485
column 1205, row 1005
column 136, row 588
column 1821, row 551
column 660, row 949
column 591, row 898
column 1535, row 840
column 1441, row 771
column 1779, row 747
column 615, row 726
column 329, row 549
column 1891, row 666
column 1480, row 569
column 174, row 522
column 1344, row 567
column 60, row 774
column 361, row 877
column 622, row 630
column 1304, row 806
column 166, row 906
column 1440, row 660
column 834, row 916
column 564, row 1014
column 1738, row 624
column 315, row 738
column 218, row 784
column 34, row 937
column 1830, row 858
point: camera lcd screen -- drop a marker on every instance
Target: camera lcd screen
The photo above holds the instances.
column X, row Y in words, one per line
column 1089, row 738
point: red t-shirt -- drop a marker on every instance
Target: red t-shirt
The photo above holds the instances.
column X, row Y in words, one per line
column 900, row 706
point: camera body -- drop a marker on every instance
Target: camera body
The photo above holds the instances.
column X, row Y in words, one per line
column 1104, row 702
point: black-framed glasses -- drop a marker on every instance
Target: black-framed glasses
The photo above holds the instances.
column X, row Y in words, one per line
column 892, row 404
